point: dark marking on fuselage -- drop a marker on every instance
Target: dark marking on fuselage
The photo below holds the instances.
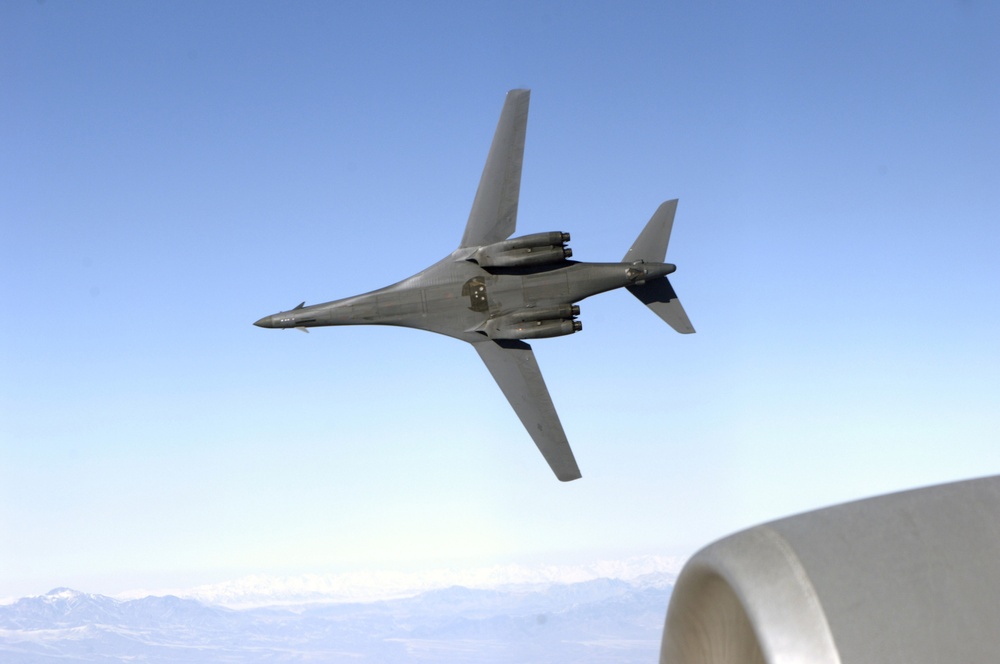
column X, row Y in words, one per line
column 475, row 289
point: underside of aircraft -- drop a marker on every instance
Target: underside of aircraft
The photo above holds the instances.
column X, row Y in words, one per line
column 495, row 292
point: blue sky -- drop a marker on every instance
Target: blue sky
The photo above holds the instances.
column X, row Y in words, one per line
column 172, row 172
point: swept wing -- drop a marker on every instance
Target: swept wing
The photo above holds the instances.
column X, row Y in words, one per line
column 494, row 210
column 513, row 366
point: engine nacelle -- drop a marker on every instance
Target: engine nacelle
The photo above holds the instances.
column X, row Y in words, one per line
column 533, row 329
column 535, row 323
column 535, row 249
column 543, row 313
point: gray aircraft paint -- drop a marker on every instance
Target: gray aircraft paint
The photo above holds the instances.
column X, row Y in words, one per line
column 494, row 293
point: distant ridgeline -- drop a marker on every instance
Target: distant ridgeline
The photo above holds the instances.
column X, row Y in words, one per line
column 587, row 621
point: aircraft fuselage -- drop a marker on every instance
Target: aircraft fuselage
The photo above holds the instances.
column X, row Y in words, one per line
column 458, row 298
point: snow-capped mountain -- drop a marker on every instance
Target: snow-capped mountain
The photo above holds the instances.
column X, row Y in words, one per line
column 257, row 590
column 599, row 619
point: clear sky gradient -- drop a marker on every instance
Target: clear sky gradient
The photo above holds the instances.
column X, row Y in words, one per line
column 173, row 171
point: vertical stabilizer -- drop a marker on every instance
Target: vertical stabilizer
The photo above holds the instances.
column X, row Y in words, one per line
column 651, row 245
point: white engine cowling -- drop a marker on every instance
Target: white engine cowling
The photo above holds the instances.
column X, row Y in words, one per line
column 907, row 577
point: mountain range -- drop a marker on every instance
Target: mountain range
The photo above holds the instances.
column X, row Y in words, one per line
column 371, row 585
column 597, row 620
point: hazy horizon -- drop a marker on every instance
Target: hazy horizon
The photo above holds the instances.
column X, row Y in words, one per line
column 173, row 172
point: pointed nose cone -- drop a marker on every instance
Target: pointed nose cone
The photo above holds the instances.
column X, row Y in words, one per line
column 264, row 322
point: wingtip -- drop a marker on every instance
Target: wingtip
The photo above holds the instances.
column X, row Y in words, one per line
column 522, row 95
column 568, row 475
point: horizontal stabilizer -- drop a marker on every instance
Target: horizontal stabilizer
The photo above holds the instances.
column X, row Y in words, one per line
column 659, row 296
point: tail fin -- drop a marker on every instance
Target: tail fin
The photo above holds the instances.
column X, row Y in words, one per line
column 651, row 247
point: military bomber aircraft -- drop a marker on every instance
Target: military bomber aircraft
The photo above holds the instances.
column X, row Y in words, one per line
column 495, row 292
